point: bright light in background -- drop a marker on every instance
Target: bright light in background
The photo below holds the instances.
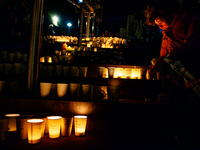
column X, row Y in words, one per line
column 80, row 1
column 55, row 20
column 69, row 24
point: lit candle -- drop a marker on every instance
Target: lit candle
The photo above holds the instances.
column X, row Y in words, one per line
column 34, row 130
column 12, row 126
column 135, row 73
column 54, row 123
column 80, row 125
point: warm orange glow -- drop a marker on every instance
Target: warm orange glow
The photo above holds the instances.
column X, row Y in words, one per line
column 118, row 73
column 128, row 73
column 54, row 123
column 95, row 49
column 80, row 125
column 12, row 126
column 50, row 60
column 42, row 59
column 135, row 73
column 34, row 130
column 105, row 73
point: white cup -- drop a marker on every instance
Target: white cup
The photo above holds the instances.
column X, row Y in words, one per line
column 86, row 92
column 54, row 59
column 3, row 128
column 50, row 70
column 22, row 128
column 100, row 71
column 74, row 91
column 18, row 56
column 65, row 59
column 65, row 70
column 83, row 71
column 58, row 70
column 24, row 57
column 17, row 68
column 74, row 71
column 66, row 126
column 11, row 56
column 111, row 72
column 60, row 58
column 62, row 90
column 8, row 68
column 45, row 89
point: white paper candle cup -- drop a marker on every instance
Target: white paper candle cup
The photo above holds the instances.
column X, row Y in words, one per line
column 74, row 91
column 50, row 70
column 12, row 126
column 62, row 90
column 60, row 58
column 8, row 68
column 113, row 93
column 100, row 71
column 58, row 70
column 34, row 130
column 17, row 68
column 83, row 72
column 74, row 71
column 66, row 126
column 46, row 58
column 22, row 128
column 11, row 56
column 4, row 53
column 86, row 92
column 80, row 125
column 45, row 89
column 18, row 56
column 127, row 73
column 1, row 68
column 54, row 59
column 64, row 52
column 3, row 85
column 3, row 128
column 24, row 57
column 65, row 70
column 100, row 93
column 65, row 59
column 54, row 123
column 43, row 124
column 111, row 72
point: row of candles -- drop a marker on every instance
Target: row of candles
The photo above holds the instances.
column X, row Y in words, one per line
column 13, row 56
column 76, row 91
column 93, row 39
column 103, row 72
column 33, row 127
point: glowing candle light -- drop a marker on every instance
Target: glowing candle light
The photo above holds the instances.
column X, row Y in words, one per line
column 12, row 126
column 80, row 125
column 135, row 73
column 34, row 130
column 54, row 123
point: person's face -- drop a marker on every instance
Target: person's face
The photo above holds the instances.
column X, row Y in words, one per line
column 161, row 23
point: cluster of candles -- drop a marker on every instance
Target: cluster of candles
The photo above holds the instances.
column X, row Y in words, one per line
column 66, row 39
column 124, row 73
column 34, row 129
column 103, row 42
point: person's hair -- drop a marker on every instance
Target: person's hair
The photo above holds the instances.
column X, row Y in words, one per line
column 164, row 9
